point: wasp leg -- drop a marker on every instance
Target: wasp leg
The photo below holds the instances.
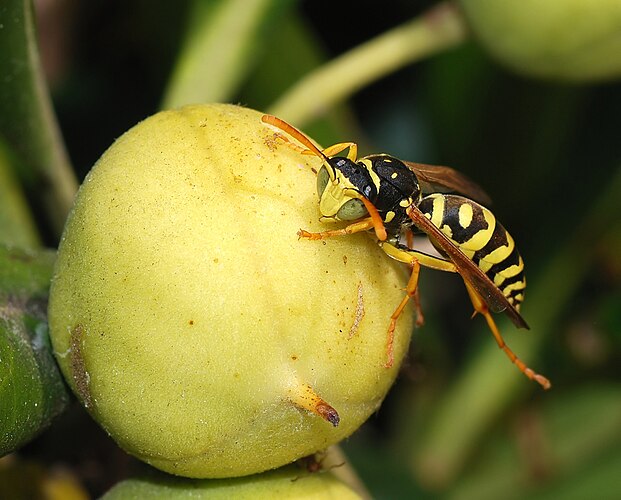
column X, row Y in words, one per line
column 335, row 149
column 374, row 221
column 329, row 151
column 481, row 307
column 411, row 291
column 420, row 320
column 356, row 227
column 414, row 259
column 303, row 396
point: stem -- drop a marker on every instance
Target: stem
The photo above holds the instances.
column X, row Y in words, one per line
column 438, row 29
column 336, row 462
column 16, row 220
column 27, row 119
column 215, row 54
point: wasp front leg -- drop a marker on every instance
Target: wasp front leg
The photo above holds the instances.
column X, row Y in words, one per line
column 374, row 221
column 356, row 227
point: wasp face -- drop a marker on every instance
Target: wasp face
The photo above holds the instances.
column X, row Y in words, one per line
column 341, row 183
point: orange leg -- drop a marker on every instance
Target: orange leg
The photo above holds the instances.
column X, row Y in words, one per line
column 481, row 307
column 335, row 149
column 420, row 320
column 411, row 291
column 356, row 227
column 374, row 221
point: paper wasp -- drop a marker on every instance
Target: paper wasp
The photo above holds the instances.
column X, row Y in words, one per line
column 395, row 198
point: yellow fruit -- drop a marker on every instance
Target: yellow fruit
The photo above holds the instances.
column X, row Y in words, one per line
column 570, row 40
column 190, row 319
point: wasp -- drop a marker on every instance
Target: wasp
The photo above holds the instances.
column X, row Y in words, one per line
column 395, row 199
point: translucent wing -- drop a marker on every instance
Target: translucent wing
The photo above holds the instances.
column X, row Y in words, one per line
column 439, row 179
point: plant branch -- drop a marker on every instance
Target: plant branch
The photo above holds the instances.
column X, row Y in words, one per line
column 440, row 28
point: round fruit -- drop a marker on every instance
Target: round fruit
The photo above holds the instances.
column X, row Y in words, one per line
column 191, row 321
column 568, row 40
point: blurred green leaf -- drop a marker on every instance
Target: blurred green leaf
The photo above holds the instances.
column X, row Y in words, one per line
column 27, row 119
column 291, row 52
column 440, row 28
column 218, row 49
column 17, row 226
column 490, row 385
column 569, row 436
column 32, row 392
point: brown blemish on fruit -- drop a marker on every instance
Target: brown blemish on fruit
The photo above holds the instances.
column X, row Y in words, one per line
column 191, row 322
column 325, row 411
column 359, row 313
column 78, row 369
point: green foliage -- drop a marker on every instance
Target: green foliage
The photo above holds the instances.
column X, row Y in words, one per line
column 31, row 388
column 27, row 120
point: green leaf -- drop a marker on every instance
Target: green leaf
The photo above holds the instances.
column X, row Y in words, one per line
column 32, row 392
column 27, row 120
column 490, row 385
column 570, row 438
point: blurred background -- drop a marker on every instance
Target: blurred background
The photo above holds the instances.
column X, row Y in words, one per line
column 461, row 422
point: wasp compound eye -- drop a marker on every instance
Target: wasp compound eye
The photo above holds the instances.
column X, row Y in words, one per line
column 323, row 177
column 352, row 210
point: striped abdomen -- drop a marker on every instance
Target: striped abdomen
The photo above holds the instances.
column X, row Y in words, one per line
column 475, row 230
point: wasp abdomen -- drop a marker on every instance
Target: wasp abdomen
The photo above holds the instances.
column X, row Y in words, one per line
column 478, row 234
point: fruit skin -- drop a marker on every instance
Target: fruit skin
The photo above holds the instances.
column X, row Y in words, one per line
column 565, row 40
column 185, row 312
column 290, row 482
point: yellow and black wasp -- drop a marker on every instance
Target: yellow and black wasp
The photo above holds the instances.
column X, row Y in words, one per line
column 395, row 199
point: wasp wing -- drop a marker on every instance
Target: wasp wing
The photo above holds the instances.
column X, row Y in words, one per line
column 469, row 271
column 440, row 179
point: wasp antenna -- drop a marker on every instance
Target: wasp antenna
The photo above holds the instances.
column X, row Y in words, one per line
column 293, row 132
column 376, row 218
column 303, row 396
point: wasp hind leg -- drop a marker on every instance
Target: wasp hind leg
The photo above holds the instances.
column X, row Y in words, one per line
column 481, row 307
column 415, row 259
column 411, row 292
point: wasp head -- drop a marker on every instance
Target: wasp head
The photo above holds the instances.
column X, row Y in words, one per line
column 341, row 184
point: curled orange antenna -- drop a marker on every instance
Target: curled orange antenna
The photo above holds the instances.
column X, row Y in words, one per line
column 294, row 132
